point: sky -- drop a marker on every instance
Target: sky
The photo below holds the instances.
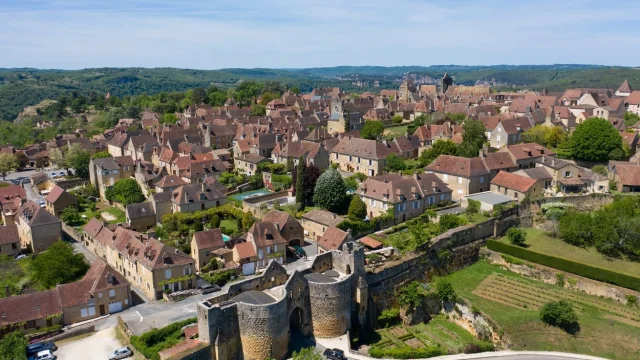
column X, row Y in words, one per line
column 215, row 34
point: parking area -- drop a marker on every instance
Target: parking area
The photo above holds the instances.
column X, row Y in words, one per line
column 96, row 346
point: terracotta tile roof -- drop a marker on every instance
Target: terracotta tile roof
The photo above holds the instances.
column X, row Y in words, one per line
column 498, row 161
column 170, row 181
column 279, row 217
column 490, row 122
column 332, row 239
column 100, row 277
column 512, row 181
column 93, row 227
column 266, row 234
column 571, row 182
column 149, row 252
column 629, row 174
column 35, row 215
column 56, row 193
column 364, row 148
column 37, row 305
column 538, row 173
column 528, row 150
column 514, row 126
column 251, row 158
column 12, row 191
column 9, row 235
column 245, row 250
column 395, row 188
column 323, row 217
column 370, row 242
column 459, row 166
column 629, row 137
column 295, row 149
column 624, row 87
column 196, row 193
column 209, row 239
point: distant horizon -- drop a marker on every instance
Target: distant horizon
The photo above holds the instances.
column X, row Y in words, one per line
column 284, row 34
column 320, row 67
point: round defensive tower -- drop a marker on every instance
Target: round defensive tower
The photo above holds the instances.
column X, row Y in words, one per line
column 264, row 325
column 330, row 297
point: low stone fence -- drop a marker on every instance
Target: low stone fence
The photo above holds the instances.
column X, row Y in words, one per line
column 70, row 233
column 71, row 183
column 124, row 327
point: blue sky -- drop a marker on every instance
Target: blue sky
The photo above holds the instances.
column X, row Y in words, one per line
column 216, row 34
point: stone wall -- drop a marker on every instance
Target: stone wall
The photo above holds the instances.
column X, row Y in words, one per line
column 218, row 326
column 331, row 307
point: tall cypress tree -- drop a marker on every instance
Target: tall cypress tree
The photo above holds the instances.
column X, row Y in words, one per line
column 300, row 182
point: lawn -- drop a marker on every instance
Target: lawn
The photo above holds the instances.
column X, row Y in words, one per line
column 16, row 275
column 230, row 225
column 93, row 210
column 438, row 332
column 395, row 131
column 476, row 218
column 608, row 329
column 540, row 242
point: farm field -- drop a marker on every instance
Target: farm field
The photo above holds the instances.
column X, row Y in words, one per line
column 439, row 333
column 608, row 329
column 540, row 242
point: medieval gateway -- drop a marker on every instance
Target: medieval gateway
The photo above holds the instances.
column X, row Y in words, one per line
column 254, row 318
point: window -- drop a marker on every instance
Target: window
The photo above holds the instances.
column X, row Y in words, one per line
column 350, row 158
column 167, row 274
column 206, row 253
column 14, row 246
column 370, row 162
column 260, row 254
column 268, row 250
column 499, row 130
column 91, row 301
column 336, row 156
column 431, row 199
column 498, row 138
column 83, row 313
column 385, row 206
column 92, row 311
column 370, row 172
column 358, row 160
column 459, row 179
column 100, row 295
column 567, row 174
column 186, row 271
column 446, row 177
column 481, row 179
column 416, row 205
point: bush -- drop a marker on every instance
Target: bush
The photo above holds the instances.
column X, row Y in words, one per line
column 406, row 352
column 473, row 207
column 451, row 221
column 220, row 278
column 445, row 291
column 632, row 300
column 389, row 317
column 569, row 266
column 560, row 314
column 153, row 341
column 13, row 346
column 215, row 221
column 125, row 191
column 517, row 236
column 411, row 295
column 357, row 208
column 560, row 280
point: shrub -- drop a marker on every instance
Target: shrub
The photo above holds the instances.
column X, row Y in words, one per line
column 357, row 208
column 406, row 352
column 560, row 280
column 411, row 295
column 569, row 266
column 560, row 314
column 220, row 278
column 389, row 317
column 517, row 236
column 451, row 221
column 473, row 206
column 632, row 300
column 153, row 341
column 215, row 221
column 13, row 346
column 613, row 185
column 445, row 291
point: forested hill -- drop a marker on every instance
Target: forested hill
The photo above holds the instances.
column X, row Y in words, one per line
column 24, row 87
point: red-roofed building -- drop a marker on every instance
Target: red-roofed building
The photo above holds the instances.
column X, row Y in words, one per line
column 333, row 239
column 244, row 254
column 58, row 199
column 516, row 186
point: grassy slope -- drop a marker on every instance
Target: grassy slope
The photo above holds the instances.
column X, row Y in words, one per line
column 230, row 224
column 598, row 336
column 538, row 241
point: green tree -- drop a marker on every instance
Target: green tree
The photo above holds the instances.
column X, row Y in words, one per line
column 560, row 314
column 330, row 191
column 351, row 183
column 517, row 236
column 258, row 110
column 576, row 228
column 197, row 95
column 444, row 290
column 600, row 169
column 395, row 163
column 78, row 158
column 450, row 221
column 440, row 147
column 8, row 163
column 169, row 118
column 311, row 176
column 596, row 140
column 357, row 208
column 411, row 295
column 101, row 155
column 309, row 353
column 247, row 221
column 372, row 129
column 70, row 215
column 473, row 138
column 125, row 191
column 215, row 221
column 58, row 265
column 300, row 182
column 23, row 160
column 397, row 119
column 13, row 346
column 289, row 167
column 295, row 90
column 473, row 206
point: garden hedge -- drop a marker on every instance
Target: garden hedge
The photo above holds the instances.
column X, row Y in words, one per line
column 569, row 266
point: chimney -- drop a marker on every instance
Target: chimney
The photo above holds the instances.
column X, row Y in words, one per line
column 553, row 161
column 277, row 226
column 416, row 176
column 332, row 216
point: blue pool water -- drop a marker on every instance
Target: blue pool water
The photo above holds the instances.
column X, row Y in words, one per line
column 226, row 237
column 249, row 194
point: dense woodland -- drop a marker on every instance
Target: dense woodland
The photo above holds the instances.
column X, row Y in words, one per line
column 25, row 87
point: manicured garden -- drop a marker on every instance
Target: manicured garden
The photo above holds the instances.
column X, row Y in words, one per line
column 437, row 337
column 607, row 328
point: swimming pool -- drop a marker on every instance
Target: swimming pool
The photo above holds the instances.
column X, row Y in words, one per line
column 249, row 194
column 226, row 237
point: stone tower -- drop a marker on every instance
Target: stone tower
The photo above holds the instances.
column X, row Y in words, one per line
column 446, row 82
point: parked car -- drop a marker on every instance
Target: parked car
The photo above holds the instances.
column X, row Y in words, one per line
column 92, row 198
column 207, row 289
column 55, row 175
column 20, row 256
column 44, row 355
column 121, row 353
column 33, row 349
column 334, row 354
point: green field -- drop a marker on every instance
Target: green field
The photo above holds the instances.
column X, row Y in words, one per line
column 608, row 329
column 395, row 130
column 438, row 332
column 540, row 242
column 230, row 224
